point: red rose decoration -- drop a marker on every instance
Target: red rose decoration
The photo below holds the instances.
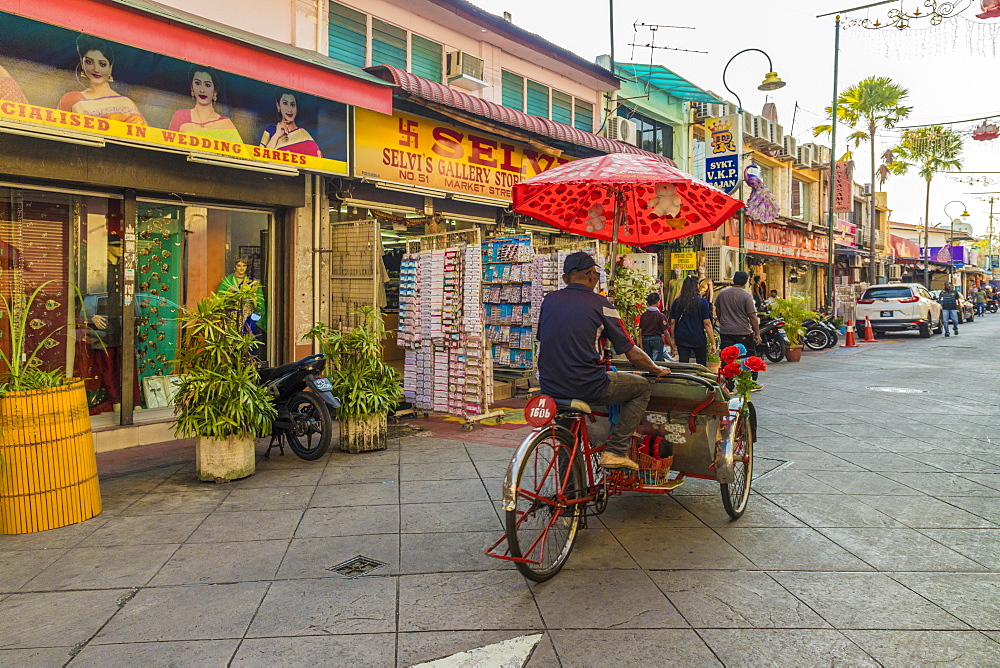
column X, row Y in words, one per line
column 755, row 364
column 729, row 354
column 732, row 370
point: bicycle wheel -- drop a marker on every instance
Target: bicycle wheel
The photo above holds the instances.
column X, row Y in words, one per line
column 313, row 427
column 817, row 339
column 541, row 527
column 736, row 494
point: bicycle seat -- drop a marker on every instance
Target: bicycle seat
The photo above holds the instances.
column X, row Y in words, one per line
column 573, row 405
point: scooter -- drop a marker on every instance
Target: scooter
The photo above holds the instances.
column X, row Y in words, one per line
column 993, row 304
column 773, row 341
column 304, row 400
column 820, row 334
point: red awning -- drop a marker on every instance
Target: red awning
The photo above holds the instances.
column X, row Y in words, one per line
column 447, row 96
column 170, row 32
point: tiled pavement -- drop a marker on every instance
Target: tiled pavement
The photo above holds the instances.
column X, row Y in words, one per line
column 873, row 537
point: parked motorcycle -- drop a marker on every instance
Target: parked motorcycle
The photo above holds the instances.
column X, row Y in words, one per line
column 304, row 400
column 993, row 305
column 820, row 334
column 773, row 341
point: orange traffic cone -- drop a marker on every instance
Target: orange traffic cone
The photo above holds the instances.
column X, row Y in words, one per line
column 869, row 332
column 849, row 341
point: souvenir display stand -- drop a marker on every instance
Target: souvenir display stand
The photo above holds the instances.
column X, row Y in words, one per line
column 441, row 328
column 509, row 301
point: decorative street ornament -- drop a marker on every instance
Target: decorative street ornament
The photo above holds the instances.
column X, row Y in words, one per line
column 987, row 131
column 936, row 12
column 991, row 9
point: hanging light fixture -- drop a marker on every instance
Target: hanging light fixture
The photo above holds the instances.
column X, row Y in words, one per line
column 987, row 131
column 991, row 9
column 772, row 82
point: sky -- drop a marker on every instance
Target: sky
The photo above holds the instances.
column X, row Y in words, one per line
column 949, row 69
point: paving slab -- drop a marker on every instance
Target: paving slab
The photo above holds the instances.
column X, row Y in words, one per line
column 330, row 606
column 791, row 647
column 832, row 510
column 102, row 567
column 18, row 568
column 199, row 612
column 357, row 494
column 267, row 498
column 866, row 601
column 348, row 521
column 902, row 649
column 448, row 517
column 900, row 550
column 173, row 653
column 804, row 549
column 144, row 530
column 925, row 512
column 669, row 548
column 566, row 602
column 972, row 597
column 368, row 649
column 447, row 552
column 199, row 563
column 735, row 599
column 317, row 557
column 466, row 601
column 633, row 648
column 55, row 619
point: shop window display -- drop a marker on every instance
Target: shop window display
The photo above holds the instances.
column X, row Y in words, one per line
column 184, row 253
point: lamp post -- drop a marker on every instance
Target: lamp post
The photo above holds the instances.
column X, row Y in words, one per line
column 951, row 240
column 771, row 82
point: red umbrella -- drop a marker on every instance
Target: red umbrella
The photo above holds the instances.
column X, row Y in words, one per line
column 630, row 199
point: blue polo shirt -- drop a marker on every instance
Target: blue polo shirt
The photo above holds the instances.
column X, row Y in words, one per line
column 570, row 328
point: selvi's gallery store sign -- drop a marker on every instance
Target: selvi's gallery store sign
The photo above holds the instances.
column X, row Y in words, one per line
column 414, row 151
column 78, row 83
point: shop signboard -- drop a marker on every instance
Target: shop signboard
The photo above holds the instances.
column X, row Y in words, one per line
column 415, row 151
column 904, row 248
column 722, row 161
column 843, row 187
column 994, row 261
column 74, row 86
column 780, row 241
column 687, row 261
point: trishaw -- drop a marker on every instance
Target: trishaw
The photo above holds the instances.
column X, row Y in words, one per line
column 693, row 428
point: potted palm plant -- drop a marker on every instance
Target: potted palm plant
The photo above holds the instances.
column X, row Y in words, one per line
column 793, row 312
column 366, row 386
column 48, row 468
column 220, row 401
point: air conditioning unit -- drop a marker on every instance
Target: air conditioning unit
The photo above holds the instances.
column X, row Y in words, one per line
column 790, row 146
column 805, row 155
column 721, row 262
column 621, row 129
column 867, row 190
column 761, row 128
column 855, row 262
column 465, row 71
column 644, row 263
column 822, row 154
column 748, row 124
column 895, row 272
column 777, row 134
column 704, row 110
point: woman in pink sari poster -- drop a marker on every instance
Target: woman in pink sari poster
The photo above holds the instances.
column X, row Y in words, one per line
column 286, row 135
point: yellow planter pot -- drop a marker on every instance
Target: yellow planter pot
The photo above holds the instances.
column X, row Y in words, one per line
column 49, row 469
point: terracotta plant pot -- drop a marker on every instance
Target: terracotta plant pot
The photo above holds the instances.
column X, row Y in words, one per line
column 48, row 471
column 363, row 433
column 222, row 460
column 794, row 354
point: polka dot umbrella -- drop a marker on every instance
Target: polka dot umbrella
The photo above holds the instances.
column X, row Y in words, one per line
column 628, row 199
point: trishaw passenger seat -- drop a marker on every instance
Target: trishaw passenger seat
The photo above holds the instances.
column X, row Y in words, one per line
column 573, row 405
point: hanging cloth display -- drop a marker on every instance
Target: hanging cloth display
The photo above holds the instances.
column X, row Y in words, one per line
column 986, row 131
column 761, row 205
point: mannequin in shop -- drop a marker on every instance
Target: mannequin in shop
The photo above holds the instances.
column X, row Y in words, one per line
column 254, row 319
column 104, row 313
column 706, row 286
column 673, row 286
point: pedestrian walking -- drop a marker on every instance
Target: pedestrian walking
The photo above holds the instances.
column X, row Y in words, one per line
column 980, row 301
column 653, row 326
column 737, row 314
column 691, row 323
column 949, row 304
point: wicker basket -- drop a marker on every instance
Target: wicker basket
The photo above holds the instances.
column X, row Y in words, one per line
column 653, row 471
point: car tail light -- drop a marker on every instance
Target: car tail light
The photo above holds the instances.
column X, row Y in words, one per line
column 866, row 301
column 910, row 300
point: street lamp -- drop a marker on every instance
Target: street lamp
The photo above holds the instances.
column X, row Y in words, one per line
column 951, row 240
column 771, row 82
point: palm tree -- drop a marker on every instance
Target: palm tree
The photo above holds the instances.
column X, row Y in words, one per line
column 867, row 105
column 934, row 148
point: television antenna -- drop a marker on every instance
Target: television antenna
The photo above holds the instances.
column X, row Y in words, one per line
column 653, row 28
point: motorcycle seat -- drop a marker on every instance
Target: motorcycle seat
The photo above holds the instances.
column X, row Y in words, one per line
column 575, row 405
column 267, row 374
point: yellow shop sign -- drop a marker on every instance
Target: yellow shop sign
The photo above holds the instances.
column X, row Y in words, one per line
column 414, row 151
column 686, row 261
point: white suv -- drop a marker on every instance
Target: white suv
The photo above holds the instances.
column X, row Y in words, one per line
column 897, row 307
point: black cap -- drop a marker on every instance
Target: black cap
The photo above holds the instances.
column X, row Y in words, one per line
column 578, row 261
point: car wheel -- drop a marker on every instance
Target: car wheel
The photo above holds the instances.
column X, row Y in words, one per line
column 925, row 330
column 940, row 325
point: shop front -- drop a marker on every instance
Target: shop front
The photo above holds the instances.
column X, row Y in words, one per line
column 138, row 182
column 788, row 260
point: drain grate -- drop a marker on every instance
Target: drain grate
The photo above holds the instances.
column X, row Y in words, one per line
column 356, row 567
column 896, row 390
